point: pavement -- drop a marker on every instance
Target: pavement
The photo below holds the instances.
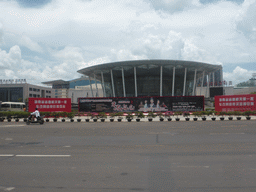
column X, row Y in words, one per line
column 210, row 156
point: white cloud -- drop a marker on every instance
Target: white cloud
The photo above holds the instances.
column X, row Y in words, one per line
column 11, row 59
column 1, row 32
column 238, row 75
column 27, row 42
column 171, row 46
column 247, row 20
column 174, row 5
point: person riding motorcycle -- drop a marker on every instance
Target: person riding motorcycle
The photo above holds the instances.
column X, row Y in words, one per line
column 36, row 114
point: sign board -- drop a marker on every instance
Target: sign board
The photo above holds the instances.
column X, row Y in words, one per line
column 235, row 103
column 49, row 104
column 144, row 104
column 214, row 91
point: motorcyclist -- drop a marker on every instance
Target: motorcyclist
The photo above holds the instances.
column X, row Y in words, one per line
column 36, row 114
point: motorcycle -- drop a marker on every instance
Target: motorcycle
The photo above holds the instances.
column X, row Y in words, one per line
column 39, row 120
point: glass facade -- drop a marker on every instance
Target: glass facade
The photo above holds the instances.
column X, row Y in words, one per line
column 13, row 94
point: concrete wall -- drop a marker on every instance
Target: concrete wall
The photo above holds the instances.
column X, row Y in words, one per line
column 247, row 90
column 74, row 94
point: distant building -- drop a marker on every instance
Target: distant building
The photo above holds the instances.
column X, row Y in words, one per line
column 246, row 87
column 20, row 90
column 80, row 87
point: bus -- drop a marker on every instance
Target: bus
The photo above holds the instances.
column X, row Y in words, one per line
column 12, row 106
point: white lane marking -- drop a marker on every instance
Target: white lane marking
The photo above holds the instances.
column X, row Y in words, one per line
column 8, row 139
column 226, row 133
column 43, row 155
column 6, row 155
column 66, row 146
column 194, row 166
column 7, row 188
column 12, row 126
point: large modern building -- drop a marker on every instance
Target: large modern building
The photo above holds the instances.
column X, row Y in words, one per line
column 20, row 90
column 156, row 78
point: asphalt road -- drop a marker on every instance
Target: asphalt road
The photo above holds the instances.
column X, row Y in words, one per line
column 145, row 156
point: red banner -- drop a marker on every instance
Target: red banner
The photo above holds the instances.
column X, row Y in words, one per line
column 235, row 103
column 49, row 104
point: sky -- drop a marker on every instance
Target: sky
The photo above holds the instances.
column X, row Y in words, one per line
column 44, row 40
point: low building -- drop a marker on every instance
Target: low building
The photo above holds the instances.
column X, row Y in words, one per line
column 20, row 90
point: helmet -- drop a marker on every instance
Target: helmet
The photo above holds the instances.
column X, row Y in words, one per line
column 36, row 108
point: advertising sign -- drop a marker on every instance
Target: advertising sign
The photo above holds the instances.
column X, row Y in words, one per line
column 235, row 103
column 144, row 104
column 49, row 104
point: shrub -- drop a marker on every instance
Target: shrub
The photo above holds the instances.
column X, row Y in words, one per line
column 112, row 115
column 120, row 115
column 177, row 113
column 102, row 115
column 139, row 114
column 151, row 114
column 222, row 113
column 186, row 114
column 94, row 115
column 237, row 113
column 168, row 114
column 55, row 115
column 247, row 113
column 129, row 115
column 196, row 113
column 70, row 115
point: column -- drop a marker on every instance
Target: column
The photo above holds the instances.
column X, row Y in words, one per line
column 194, row 86
column 123, row 82
column 213, row 78
column 91, row 86
column 95, row 81
column 103, row 85
column 202, row 84
column 135, row 82
column 185, row 79
column 208, row 84
column 222, row 81
column 112, row 80
column 173, row 81
column 161, row 81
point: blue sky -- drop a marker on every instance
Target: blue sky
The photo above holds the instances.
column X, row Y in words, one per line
column 43, row 40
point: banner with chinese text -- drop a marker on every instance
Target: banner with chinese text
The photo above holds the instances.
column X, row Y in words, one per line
column 228, row 103
column 49, row 104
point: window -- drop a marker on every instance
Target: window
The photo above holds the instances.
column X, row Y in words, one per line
column 38, row 90
column 30, row 89
column 38, row 95
column 30, row 95
column 34, row 95
column 34, row 89
column 49, row 91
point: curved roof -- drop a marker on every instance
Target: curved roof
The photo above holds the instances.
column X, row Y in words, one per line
column 154, row 63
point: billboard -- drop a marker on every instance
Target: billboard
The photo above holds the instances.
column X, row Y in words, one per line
column 214, row 91
column 49, row 104
column 144, row 104
column 235, row 103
